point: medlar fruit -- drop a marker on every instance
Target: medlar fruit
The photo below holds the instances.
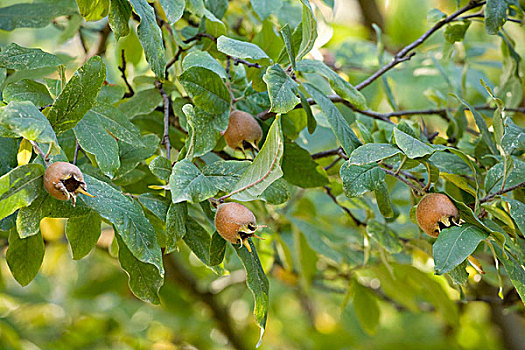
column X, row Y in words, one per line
column 436, row 211
column 64, row 181
column 243, row 130
column 235, row 223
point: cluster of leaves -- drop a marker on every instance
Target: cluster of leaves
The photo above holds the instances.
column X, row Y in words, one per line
column 158, row 200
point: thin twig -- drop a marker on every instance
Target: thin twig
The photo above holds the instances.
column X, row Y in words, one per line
column 505, row 190
column 328, row 153
column 358, row 222
column 481, row 15
column 122, row 70
column 402, row 179
column 172, row 61
column 406, row 53
column 199, row 36
column 101, row 47
column 237, row 61
column 38, row 150
column 334, row 162
column 166, row 107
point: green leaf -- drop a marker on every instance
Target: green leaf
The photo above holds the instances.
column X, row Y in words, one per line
column 117, row 123
column 156, row 204
column 224, row 174
column 24, row 256
column 175, row 225
column 515, row 271
column 514, row 138
column 310, row 119
column 196, row 7
column 8, row 152
column 33, row 15
column 265, row 168
column 411, row 146
column 495, row 15
column 264, row 8
column 217, row 249
column 128, row 219
column 456, row 32
column 93, row 10
column 359, row 179
column 142, row 102
column 517, row 211
column 458, row 274
column 82, row 233
column 27, row 90
column 340, row 86
column 383, row 201
column 206, row 89
column 145, row 279
column 286, row 33
column 119, row 14
column 78, row 96
column 366, row 308
column 174, row 9
column 150, row 36
column 486, row 136
column 384, row 235
column 494, row 177
column 317, row 240
column 24, row 119
column 203, row 59
column 309, row 30
column 372, row 152
column 450, row 163
column 299, row 169
column 204, row 128
column 240, row 49
column 267, row 39
column 454, row 245
column 94, row 139
column 188, row 183
column 257, row 282
column 19, row 187
column 161, row 168
column 280, row 89
column 21, row 58
column 28, row 218
column 198, row 240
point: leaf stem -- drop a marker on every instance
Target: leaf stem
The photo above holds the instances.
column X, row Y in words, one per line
column 166, row 107
column 505, row 190
column 38, row 150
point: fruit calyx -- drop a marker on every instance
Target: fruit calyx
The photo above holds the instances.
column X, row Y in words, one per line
column 435, row 212
column 64, row 181
column 236, row 223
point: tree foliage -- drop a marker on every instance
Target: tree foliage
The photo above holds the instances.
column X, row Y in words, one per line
column 352, row 141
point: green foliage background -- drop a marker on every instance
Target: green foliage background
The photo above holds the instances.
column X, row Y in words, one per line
column 359, row 122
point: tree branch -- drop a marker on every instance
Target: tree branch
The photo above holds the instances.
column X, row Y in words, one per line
column 358, row 222
column 122, row 70
column 176, row 273
column 38, row 150
column 505, row 190
column 406, row 53
column 166, row 107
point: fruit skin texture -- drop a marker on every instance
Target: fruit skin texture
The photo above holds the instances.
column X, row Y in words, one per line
column 242, row 127
column 64, row 181
column 433, row 209
column 235, row 223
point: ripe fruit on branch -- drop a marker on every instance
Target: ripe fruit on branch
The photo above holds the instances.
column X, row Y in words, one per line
column 235, row 223
column 64, row 181
column 243, row 131
column 435, row 212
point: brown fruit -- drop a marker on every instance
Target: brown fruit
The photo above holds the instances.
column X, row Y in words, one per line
column 243, row 130
column 235, row 223
column 64, row 181
column 436, row 211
